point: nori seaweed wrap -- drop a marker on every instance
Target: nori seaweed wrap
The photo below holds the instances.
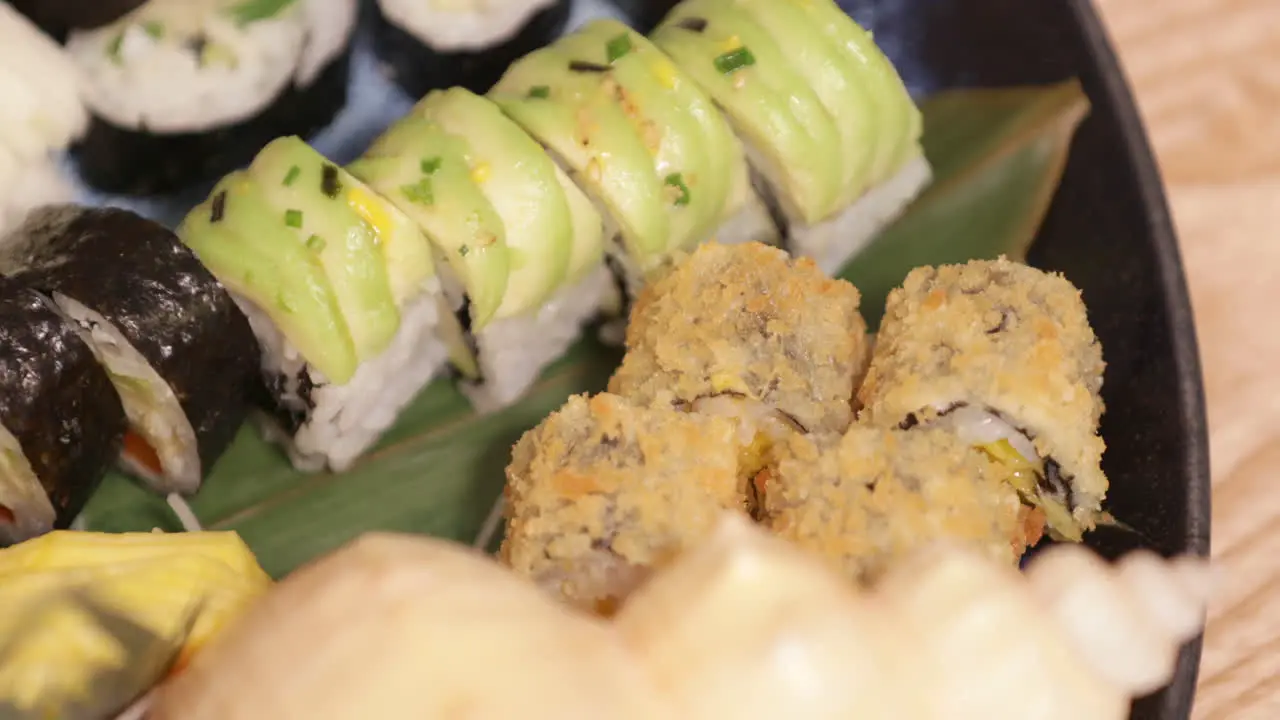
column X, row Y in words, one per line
column 181, row 354
column 644, row 15
column 58, row 17
column 61, row 422
column 424, row 49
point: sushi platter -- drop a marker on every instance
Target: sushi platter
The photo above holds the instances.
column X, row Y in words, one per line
column 635, row 299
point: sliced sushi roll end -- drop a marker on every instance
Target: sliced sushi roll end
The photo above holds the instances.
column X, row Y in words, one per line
column 183, row 92
column 1001, row 354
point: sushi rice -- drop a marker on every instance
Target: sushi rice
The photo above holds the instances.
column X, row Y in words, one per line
column 462, row 25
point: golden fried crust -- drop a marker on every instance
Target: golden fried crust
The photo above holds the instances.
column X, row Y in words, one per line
column 867, row 498
column 752, row 320
column 1003, row 335
column 603, row 490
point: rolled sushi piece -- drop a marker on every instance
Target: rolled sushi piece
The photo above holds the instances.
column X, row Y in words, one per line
column 427, row 45
column 184, row 91
column 749, row 332
column 61, row 422
column 181, row 356
column 867, row 499
column 830, row 130
column 602, row 492
column 340, row 289
column 58, row 17
column 1001, row 354
column 639, row 137
column 42, row 113
column 520, row 248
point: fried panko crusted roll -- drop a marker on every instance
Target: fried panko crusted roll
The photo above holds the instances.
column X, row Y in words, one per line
column 747, row 330
column 1003, row 355
column 603, row 491
column 873, row 495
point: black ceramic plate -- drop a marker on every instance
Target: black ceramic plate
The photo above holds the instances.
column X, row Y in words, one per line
column 1109, row 231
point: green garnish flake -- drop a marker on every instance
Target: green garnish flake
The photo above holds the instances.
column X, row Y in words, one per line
column 420, row 192
column 542, row 92
column 618, row 47
column 464, row 250
column 293, row 218
column 315, row 243
column 292, row 175
column 734, row 60
column 431, row 165
column 154, row 29
column 676, row 180
column 113, row 48
column 251, row 11
column 283, row 301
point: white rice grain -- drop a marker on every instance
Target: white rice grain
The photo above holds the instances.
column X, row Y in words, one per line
column 462, row 25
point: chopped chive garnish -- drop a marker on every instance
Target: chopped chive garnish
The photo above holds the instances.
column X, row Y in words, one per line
column 315, row 243
column 676, row 180
column 540, row 91
column 293, row 218
column 154, row 29
column 734, row 60
column 618, row 47
column 219, row 207
column 420, row 192
column 113, row 48
column 292, row 175
column 464, row 250
column 431, row 165
column 329, row 184
column 251, row 11
column 693, row 24
column 582, row 66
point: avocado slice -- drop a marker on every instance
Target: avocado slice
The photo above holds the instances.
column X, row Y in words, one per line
column 834, row 77
column 673, row 137
column 405, row 250
column 571, row 112
column 295, row 183
column 898, row 120
column 238, row 235
column 739, row 64
column 424, row 171
column 519, row 180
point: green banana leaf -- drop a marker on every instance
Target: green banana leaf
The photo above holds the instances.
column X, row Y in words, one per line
column 998, row 156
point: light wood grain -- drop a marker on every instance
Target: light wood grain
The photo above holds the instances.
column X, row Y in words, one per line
column 1207, row 77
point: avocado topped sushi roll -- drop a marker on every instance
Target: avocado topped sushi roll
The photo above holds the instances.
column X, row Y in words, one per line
column 1001, row 354
column 520, row 247
column 432, row 44
column 603, row 491
column 872, row 496
column 340, row 288
column 183, row 91
column 181, row 356
column 61, row 422
column 832, row 135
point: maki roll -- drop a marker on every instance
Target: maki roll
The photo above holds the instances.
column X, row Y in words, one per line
column 749, row 331
column 426, row 45
column 340, row 289
column 603, row 491
column 58, row 17
column 520, row 248
column 41, row 114
column 831, row 132
column 1002, row 355
column 180, row 354
column 639, row 138
column 868, row 498
column 183, row 91
column 61, row 422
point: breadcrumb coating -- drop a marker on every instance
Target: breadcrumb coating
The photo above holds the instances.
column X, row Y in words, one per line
column 748, row 320
column 1006, row 337
column 867, row 498
column 603, row 491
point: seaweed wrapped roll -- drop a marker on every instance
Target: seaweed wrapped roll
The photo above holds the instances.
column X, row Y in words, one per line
column 61, row 422
column 58, row 17
column 1002, row 354
column 183, row 91
column 868, row 498
column 432, row 44
column 180, row 354
column 603, row 491
column 830, row 130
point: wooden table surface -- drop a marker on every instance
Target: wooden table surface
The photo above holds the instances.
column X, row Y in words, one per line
column 1207, row 77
